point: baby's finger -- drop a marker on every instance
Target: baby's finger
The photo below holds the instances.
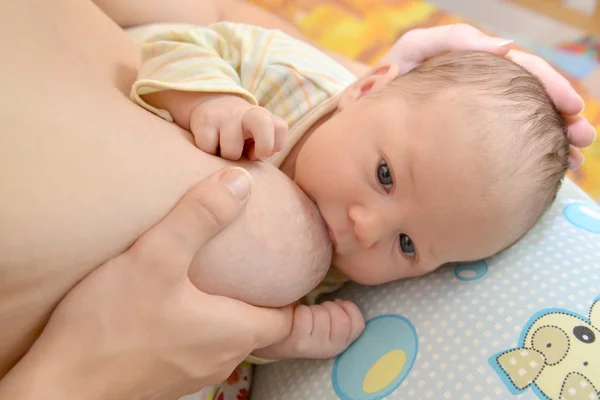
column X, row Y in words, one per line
column 566, row 99
column 580, row 132
column 302, row 325
column 169, row 247
column 357, row 320
column 281, row 133
column 206, row 138
column 341, row 327
column 321, row 322
column 257, row 123
column 231, row 140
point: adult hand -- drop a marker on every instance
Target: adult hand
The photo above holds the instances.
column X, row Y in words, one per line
column 418, row 45
column 137, row 328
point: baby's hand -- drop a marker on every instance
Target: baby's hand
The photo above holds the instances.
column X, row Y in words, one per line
column 318, row 331
column 222, row 126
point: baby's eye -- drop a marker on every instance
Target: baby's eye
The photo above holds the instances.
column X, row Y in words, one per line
column 406, row 245
column 384, row 175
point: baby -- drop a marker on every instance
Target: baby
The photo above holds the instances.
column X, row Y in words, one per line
column 453, row 161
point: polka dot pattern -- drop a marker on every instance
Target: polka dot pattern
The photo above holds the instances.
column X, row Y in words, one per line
column 461, row 322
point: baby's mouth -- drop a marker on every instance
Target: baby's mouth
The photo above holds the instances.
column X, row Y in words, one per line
column 329, row 230
column 331, row 235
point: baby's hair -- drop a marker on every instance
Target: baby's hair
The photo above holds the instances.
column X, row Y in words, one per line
column 517, row 119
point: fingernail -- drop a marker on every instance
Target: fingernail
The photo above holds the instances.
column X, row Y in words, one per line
column 496, row 42
column 582, row 103
column 505, row 42
column 239, row 181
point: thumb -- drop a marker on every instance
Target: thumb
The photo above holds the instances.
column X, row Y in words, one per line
column 201, row 214
column 267, row 325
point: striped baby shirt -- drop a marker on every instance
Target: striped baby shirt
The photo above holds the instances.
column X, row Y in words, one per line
column 266, row 67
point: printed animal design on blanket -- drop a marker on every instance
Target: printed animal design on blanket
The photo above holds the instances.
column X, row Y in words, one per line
column 558, row 356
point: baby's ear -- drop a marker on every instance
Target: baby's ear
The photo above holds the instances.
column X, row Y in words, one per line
column 376, row 80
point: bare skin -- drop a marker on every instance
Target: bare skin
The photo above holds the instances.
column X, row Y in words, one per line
column 85, row 171
column 132, row 13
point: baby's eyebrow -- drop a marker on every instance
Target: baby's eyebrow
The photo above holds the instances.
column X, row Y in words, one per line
column 410, row 169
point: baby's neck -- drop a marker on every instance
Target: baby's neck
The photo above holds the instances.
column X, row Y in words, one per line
column 288, row 166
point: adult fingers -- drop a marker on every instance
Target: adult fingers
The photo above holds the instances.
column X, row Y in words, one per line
column 204, row 211
column 419, row 45
column 576, row 158
column 580, row 132
column 566, row 99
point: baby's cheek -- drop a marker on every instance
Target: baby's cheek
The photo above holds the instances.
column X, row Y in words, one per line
column 374, row 268
column 361, row 270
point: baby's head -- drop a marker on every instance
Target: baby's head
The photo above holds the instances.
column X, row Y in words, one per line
column 454, row 161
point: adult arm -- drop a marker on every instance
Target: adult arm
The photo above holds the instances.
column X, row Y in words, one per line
column 129, row 13
column 138, row 328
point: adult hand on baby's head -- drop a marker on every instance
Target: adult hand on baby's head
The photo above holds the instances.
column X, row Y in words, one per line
column 138, row 328
column 580, row 132
column 419, row 45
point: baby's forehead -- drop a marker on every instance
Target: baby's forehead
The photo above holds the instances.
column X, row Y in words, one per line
column 482, row 121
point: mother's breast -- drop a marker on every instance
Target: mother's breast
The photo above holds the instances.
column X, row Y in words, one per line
column 84, row 171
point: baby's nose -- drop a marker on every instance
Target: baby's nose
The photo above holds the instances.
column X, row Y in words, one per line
column 368, row 226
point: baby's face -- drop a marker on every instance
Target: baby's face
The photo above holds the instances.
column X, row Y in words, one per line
column 401, row 190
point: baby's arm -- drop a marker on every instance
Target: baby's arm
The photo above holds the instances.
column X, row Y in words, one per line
column 202, row 79
column 224, row 125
